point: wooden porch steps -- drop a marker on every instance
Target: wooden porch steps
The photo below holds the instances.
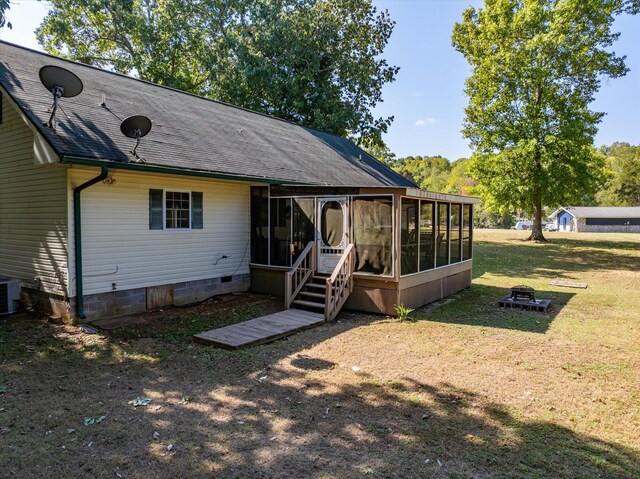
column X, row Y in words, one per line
column 309, row 290
column 309, row 304
column 313, row 294
column 261, row 330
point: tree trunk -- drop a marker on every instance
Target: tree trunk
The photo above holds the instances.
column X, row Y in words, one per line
column 536, row 227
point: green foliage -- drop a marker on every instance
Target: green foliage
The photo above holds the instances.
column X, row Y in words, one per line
column 377, row 149
column 460, row 181
column 629, row 189
column 402, row 312
column 315, row 62
column 536, row 66
column 4, row 6
column 483, row 218
column 436, row 173
column 623, row 167
column 428, row 172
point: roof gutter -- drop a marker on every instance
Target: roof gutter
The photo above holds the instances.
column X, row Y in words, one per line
column 147, row 168
column 77, row 236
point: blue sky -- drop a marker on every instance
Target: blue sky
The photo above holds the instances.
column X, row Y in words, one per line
column 427, row 98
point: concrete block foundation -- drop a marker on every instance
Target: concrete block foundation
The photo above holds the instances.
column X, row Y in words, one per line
column 138, row 300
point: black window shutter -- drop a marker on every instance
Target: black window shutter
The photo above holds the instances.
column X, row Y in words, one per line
column 196, row 210
column 155, row 210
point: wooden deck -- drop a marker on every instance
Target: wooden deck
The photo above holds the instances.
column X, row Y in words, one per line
column 260, row 330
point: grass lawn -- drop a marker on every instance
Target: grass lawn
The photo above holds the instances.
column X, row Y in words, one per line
column 465, row 391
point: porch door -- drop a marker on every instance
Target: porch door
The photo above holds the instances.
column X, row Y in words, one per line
column 332, row 232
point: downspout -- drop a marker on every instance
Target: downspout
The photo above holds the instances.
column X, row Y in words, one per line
column 77, row 235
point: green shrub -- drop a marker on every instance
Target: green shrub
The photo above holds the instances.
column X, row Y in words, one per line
column 402, row 312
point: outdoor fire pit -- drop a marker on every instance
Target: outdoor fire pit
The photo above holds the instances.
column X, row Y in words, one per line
column 523, row 292
column 523, row 297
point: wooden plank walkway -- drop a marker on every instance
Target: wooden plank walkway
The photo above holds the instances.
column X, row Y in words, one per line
column 569, row 284
column 260, row 330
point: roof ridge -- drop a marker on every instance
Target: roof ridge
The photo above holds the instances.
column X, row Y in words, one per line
column 281, row 145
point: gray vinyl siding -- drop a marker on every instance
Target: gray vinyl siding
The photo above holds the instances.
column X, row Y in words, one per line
column 33, row 209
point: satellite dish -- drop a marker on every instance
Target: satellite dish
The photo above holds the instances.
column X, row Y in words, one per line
column 136, row 127
column 65, row 83
column 61, row 83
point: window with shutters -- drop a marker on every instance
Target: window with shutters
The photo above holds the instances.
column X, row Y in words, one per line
column 175, row 210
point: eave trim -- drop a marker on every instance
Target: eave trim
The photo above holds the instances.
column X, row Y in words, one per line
column 146, row 168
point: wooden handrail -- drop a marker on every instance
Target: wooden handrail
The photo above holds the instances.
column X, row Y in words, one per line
column 341, row 261
column 339, row 284
column 299, row 272
column 302, row 256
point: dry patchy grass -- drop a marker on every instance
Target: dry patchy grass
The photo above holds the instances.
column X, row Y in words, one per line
column 465, row 391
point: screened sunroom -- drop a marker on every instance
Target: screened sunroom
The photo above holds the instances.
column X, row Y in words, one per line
column 396, row 245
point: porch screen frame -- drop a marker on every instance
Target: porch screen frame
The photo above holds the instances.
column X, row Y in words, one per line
column 350, row 226
column 292, row 199
column 409, row 226
column 253, row 222
column 434, row 215
column 436, row 227
column 459, row 231
column 394, row 240
column 396, row 202
column 447, row 226
column 469, row 207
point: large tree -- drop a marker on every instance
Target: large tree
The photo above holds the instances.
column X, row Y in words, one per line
column 315, row 62
column 623, row 165
column 4, row 6
column 535, row 68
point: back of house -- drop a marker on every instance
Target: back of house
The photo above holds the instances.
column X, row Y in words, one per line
column 216, row 199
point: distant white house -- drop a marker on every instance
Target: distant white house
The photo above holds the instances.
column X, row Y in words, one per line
column 601, row 219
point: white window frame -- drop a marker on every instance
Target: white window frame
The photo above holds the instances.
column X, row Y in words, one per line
column 164, row 208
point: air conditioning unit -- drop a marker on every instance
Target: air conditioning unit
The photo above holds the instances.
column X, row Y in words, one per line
column 9, row 295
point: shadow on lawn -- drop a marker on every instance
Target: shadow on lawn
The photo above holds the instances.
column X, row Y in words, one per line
column 272, row 411
column 478, row 306
column 559, row 259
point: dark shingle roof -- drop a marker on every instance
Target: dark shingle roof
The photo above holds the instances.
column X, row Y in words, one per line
column 189, row 132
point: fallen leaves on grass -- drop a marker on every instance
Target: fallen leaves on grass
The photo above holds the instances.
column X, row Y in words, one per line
column 139, row 402
column 90, row 420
